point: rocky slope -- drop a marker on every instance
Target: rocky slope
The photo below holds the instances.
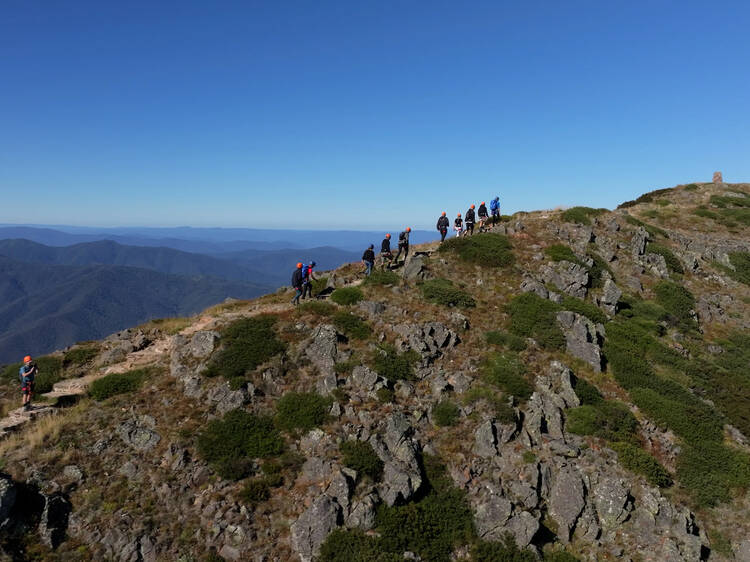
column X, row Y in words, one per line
column 572, row 386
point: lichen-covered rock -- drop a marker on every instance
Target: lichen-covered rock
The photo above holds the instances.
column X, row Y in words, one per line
column 8, row 495
column 485, row 440
column 567, row 500
column 363, row 513
column 227, row 399
column 402, row 474
column 314, row 525
column 491, row 516
column 611, row 496
column 571, row 278
column 372, row 308
column 581, row 338
column 322, row 349
column 638, row 242
column 656, row 264
column 416, row 269
column 54, row 521
column 364, row 378
column 429, row 340
column 139, row 433
column 203, row 343
column 611, row 294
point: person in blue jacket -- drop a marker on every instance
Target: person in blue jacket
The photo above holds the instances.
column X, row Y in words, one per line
column 495, row 210
column 27, row 374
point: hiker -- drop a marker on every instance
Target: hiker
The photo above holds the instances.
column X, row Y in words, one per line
column 403, row 244
column 458, row 225
column 297, row 283
column 483, row 216
column 307, row 279
column 495, row 210
column 442, row 226
column 27, row 374
column 385, row 251
column 470, row 218
column 368, row 258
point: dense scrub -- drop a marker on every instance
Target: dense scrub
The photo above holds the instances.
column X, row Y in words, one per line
column 117, row 383
column 444, row 292
column 394, row 366
column 445, row 413
column 351, row 325
column 347, row 295
column 534, row 317
column 506, row 370
column 561, row 252
column 302, row 411
column 382, row 277
column 485, row 249
column 646, row 198
column 360, row 456
column 673, row 263
column 639, row 461
column 506, row 340
column 581, row 215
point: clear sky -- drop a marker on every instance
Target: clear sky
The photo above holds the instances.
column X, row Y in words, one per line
column 361, row 114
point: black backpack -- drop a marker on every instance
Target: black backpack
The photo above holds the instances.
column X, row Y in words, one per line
column 402, row 237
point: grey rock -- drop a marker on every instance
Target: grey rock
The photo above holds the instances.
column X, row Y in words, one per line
column 192, row 385
column 613, row 225
column 316, row 469
column 227, row 399
column 340, row 488
column 485, row 440
column 523, row 526
column 438, row 386
column 638, row 242
column 529, row 285
column 363, row 378
column 73, row 473
column 713, row 307
column 402, row 475
column 741, row 549
column 315, row 443
column 326, row 383
column 634, row 283
column 416, row 269
column 611, row 497
column 54, row 521
column 372, row 308
column 429, row 340
column 581, row 338
column 566, row 501
column 656, row 264
column 8, row 494
column 128, row 470
column 203, row 343
column 139, row 433
column 491, row 517
column 314, row 525
column 322, row 349
column 610, row 297
column 571, row 278
column 363, row 513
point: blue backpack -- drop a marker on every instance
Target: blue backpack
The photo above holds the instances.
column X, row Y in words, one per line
column 494, row 204
column 305, row 271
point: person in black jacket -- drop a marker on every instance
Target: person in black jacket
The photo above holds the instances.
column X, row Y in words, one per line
column 458, row 225
column 483, row 216
column 403, row 244
column 469, row 218
column 385, row 251
column 368, row 258
column 297, row 280
column 442, row 226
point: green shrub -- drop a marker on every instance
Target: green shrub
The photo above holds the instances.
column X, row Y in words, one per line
column 385, row 395
column 394, row 366
column 432, row 526
column 596, row 271
column 10, row 372
column 651, row 214
column 353, row 545
column 528, row 457
column 608, row 420
column 318, row 308
column 639, row 461
column 79, row 356
column 486, row 249
column 741, row 263
column 302, row 411
column 654, row 231
column 561, row 252
column 360, row 456
column 444, row 292
column 504, row 412
column 50, row 371
column 646, row 198
column 710, row 471
column 673, row 263
column 351, row 325
column 663, row 202
column 724, row 201
column 587, row 393
column 584, row 308
column 117, row 383
column 347, row 295
column 445, row 413
column 346, row 367
column 534, row 317
column 505, row 370
column 581, row 215
column 256, row 491
column 382, row 277
column 690, row 187
column 504, row 550
column 246, row 344
column 230, row 444
column 705, row 213
column 509, row 341
column 676, row 300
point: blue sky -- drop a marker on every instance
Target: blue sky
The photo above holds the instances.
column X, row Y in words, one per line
column 361, row 114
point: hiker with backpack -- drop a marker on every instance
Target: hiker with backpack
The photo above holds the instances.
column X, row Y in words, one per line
column 307, row 279
column 442, row 226
column 495, row 210
column 483, row 216
column 458, row 225
column 403, row 244
column 27, row 375
column 470, row 218
column 297, row 281
column 368, row 258
column 385, row 251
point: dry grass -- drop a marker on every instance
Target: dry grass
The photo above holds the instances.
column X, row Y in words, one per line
column 170, row 326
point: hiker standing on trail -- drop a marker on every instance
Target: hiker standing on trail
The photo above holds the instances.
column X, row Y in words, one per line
column 458, row 225
column 385, row 251
column 470, row 218
column 403, row 244
column 307, row 279
column 27, row 374
column 368, row 258
column 297, row 281
column 483, row 215
column 442, row 226
column 495, row 210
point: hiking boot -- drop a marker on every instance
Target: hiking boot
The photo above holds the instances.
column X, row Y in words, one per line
column 26, row 407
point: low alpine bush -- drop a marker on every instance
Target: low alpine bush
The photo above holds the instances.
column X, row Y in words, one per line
column 445, row 413
column 534, row 317
column 584, row 308
column 302, row 411
column 116, row 383
column 676, row 300
column 351, row 325
column 394, row 366
column 444, row 292
column 382, row 277
column 347, row 295
column 79, row 356
column 318, row 308
column 608, row 420
column 581, row 215
column 639, row 461
column 505, row 370
column 360, row 456
column 504, row 339
column 673, row 263
column 485, row 249
column 561, row 252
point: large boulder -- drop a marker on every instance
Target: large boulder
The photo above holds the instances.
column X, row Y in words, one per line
column 613, row 503
column 8, row 493
column 610, row 297
column 314, row 525
column 54, row 520
column 402, row 474
column 638, row 242
column 429, row 340
column 139, row 433
column 581, row 338
column 567, row 500
column 571, row 278
column 322, row 349
column 227, row 399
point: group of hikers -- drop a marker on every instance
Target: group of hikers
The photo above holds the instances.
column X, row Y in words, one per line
column 302, row 277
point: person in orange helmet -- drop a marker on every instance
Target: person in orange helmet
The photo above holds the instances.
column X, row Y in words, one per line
column 297, row 282
column 403, row 244
column 386, row 256
column 458, row 225
column 470, row 218
column 442, row 226
column 483, row 216
column 27, row 374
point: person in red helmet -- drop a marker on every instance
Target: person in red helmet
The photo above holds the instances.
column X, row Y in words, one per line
column 483, row 216
column 27, row 374
column 458, row 225
column 297, row 282
column 403, row 244
column 470, row 218
column 442, row 226
column 386, row 256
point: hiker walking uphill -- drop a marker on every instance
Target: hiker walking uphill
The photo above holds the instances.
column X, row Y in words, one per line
column 403, row 244
column 368, row 258
column 458, row 225
column 483, row 215
column 27, row 375
column 307, row 279
column 470, row 218
column 297, row 281
column 495, row 210
column 385, row 251
column 442, row 226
